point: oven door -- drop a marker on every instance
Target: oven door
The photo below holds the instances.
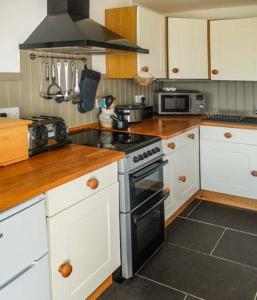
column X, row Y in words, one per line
column 147, row 230
column 175, row 103
column 145, row 183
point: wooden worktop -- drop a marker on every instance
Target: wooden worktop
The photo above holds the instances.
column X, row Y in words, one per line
column 38, row 174
column 167, row 127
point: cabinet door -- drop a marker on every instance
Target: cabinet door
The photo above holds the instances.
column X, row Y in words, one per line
column 151, row 35
column 86, row 236
column 188, row 48
column 226, row 168
column 183, row 174
column 233, row 49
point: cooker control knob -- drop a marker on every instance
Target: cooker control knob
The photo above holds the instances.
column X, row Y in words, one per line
column 153, row 151
column 141, row 157
column 149, row 152
column 136, row 159
column 145, row 155
column 158, row 149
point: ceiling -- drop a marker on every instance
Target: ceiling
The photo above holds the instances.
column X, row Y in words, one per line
column 169, row 6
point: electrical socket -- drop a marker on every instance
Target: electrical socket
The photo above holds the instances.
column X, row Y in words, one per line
column 12, row 112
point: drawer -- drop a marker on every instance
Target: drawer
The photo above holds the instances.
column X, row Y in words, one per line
column 180, row 140
column 230, row 135
column 22, row 240
column 76, row 190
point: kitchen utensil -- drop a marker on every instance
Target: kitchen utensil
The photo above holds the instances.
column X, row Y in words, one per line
column 59, row 97
column 131, row 113
column 44, row 81
column 119, row 124
column 67, row 93
column 53, row 88
column 76, row 90
column 109, row 101
column 88, row 87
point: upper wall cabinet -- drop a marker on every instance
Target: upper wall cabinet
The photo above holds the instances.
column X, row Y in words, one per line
column 143, row 27
column 233, row 49
column 188, row 48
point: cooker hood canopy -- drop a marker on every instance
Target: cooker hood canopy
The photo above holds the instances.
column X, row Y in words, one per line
column 68, row 29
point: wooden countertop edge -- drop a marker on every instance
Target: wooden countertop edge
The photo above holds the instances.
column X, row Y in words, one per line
column 17, row 199
column 228, row 125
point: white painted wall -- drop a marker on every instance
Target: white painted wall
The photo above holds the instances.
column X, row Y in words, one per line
column 18, row 18
column 97, row 13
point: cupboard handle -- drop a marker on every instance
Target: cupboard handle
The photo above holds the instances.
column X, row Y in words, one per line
column 145, row 69
column 93, row 183
column 182, row 178
column 215, row 72
column 65, row 270
column 175, row 70
column 191, row 136
column 228, row 135
column 254, row 173
column 166, row 190
column 172, row 146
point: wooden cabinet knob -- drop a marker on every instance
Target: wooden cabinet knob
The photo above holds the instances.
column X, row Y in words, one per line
column 171, row 146
column 175, row 70
column 166, row 190
column 215, row 72
column 65, row 270
column 191, row 136
column 182, row 178
column 145, row 69
column 93, row 183
column 254, row 173
column 228, row 135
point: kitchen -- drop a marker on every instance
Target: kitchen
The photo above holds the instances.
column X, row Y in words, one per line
column 142, row 183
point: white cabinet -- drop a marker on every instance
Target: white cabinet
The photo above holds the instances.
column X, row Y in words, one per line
column 151, row 35
column 143, row 27
column 84, row 244
column 181, row 175
column 233, row 49
column 188, row 48
column 228, row 166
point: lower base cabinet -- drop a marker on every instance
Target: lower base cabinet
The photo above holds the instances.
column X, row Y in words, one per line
column 84, row 243
column 229, row 168
column 181, row 174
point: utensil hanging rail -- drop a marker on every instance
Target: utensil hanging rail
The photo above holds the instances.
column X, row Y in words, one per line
column 34, row 56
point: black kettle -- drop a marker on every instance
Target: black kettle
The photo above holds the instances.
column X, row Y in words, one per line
column 119, row 124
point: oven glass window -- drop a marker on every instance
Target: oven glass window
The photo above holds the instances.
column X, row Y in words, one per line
column 147, row 233
column 175, row 103
column 146, row 183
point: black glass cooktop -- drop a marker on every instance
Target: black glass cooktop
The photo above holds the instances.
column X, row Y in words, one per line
column 119, row 141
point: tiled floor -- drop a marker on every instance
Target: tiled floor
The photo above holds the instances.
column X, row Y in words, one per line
column 210, row 253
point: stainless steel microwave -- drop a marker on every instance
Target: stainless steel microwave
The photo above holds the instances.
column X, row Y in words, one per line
column 179, row 102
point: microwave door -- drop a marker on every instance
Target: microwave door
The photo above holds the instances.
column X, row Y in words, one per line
column 175, row 103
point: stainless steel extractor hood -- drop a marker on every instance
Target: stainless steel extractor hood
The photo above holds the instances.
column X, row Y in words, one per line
column 68, row 29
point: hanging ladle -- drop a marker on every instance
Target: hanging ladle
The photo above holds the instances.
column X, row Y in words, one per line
column 59, row 97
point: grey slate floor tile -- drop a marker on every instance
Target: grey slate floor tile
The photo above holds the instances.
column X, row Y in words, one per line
column 225, row 216
column 201, row 275
column 190, row 208
column 239, row 247
column 140, row 289
column 193, row 235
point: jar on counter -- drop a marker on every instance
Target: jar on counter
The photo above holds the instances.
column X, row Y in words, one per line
column 105, row 117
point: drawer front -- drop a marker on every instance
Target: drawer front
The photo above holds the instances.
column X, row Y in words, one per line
column 180, row 140
column 76, row 190
column 31, row 285
column 229, row 135
column 22, row 240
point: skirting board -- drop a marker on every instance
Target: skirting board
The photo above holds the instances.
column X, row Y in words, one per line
column 227, row 199
column 99, row 291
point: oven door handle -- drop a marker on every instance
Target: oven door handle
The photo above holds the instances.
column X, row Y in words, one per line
column 139, row 177
column 140, row 217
